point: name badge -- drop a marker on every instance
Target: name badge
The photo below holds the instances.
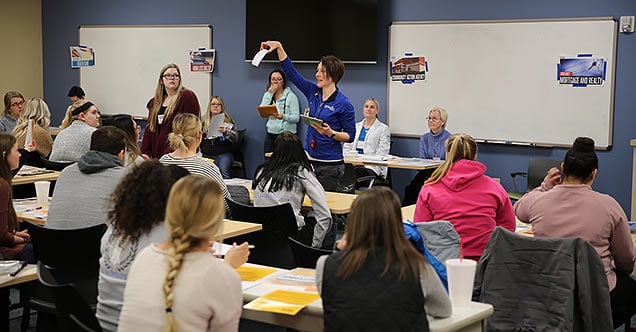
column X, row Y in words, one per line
column 160, row 118
column 360, row 145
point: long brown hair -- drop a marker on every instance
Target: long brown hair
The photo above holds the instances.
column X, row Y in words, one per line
column 160, row 95
column 7, row 141
column 375, row 222
column 458, row 147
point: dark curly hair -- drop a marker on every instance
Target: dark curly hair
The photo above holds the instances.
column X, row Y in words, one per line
column 139, row 201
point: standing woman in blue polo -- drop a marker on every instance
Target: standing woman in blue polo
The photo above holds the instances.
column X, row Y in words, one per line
column 323, row 143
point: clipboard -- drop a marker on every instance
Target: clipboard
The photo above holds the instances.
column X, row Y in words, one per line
column 267, row 110
column 311, row 120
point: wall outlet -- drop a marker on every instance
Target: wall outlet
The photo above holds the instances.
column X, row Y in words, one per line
column 626, row 24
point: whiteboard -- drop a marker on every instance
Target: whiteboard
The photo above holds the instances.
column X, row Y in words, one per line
column 498, row 80
column 128, row 60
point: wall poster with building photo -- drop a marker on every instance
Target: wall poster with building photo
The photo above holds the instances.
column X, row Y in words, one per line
column 202, row 60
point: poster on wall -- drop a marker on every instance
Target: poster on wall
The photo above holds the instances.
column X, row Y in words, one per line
column 202, row 60
column 408, row 68
column 581, row 71
column 82, row 56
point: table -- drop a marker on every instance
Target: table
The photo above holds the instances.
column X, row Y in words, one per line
column 408, row 212
column 29, row 273
column 394, row 162
column 311, row 318
column 26, row 179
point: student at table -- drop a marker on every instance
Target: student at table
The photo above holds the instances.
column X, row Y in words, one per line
column 185, row 139
column 178, row 284
column 328, row 103
column 220, row 145
column 83, row 189
column 13, row 243
column 74, row 141
column 459, row 191
column 432, row 146
column 285, row 178
column 171, row 98
column 129, row 126
column 400, row 287
column 565, row 205
column 136, row 215
column 279, row 94
column 38, row 111
column 372, row 138
column 13, row 106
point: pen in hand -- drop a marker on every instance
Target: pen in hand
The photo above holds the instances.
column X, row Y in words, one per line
column 22, row 265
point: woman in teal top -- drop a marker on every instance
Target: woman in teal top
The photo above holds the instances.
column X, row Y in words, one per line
column 279, row 94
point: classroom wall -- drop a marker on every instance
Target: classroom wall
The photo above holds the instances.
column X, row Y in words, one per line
column 21, row 55
column 242, row 85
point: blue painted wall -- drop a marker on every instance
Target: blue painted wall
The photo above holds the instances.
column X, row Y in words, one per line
column 242, row 85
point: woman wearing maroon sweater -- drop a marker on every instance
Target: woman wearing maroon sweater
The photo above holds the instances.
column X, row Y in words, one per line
column 170, row 99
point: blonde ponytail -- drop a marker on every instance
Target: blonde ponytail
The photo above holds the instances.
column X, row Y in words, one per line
column 185, row 128
column 458, row 146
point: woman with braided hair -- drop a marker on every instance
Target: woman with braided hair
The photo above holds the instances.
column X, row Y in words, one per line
column 198, row 292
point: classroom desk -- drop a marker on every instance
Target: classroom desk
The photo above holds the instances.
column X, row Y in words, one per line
column 395, row 162
column 25, row 179
column 29, row 273
column 408, row 212
column 467, row 319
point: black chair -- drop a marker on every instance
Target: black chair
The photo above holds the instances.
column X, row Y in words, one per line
column 537, row 170
column 239, row 159
column 304, row 255
column 271, row 245
column 73, row 313
column 240, row 194
column 55, row 165
column 74, row 254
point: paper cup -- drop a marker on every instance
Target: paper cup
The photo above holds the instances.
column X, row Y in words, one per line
column 42, row 192
column 461, row 276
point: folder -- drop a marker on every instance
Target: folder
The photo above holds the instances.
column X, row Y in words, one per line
column 267, row 111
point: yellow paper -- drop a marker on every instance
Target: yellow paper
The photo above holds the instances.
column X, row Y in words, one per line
column 283, row 302
column 252, row 273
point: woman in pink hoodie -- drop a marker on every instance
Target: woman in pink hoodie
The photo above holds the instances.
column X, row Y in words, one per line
column 460, row 192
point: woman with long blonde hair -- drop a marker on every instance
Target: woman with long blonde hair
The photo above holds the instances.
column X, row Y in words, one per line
column 459, row 191
column 37, row 110
column 171, row 98
column 178, row 284
column 218, row 142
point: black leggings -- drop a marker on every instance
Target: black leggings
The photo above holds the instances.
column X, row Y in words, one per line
column 623, row 298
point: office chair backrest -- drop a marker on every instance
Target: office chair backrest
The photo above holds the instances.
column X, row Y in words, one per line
column 55, row 165
column 537, row 170
column 272, row 247
column 304, row 255
column 73, row 312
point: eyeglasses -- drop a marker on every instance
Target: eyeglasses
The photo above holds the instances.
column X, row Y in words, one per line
column 215, row 104
column 171, row 76
column 277, row 78
column 17, row 104
column 432, row 119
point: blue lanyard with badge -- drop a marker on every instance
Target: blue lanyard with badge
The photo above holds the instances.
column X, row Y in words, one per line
column 312, row 143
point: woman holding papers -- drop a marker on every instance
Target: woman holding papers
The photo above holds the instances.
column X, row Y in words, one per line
column 565, row 205
column 178, row 285
column 460, row 192
column 279, row 94
column 185, row 139
column 372, row 138
column 378, row 281
column 171, row 98
column 332, row 107
column 285, row 178
column 13, row 243
column 220, row 134
column 35, row 114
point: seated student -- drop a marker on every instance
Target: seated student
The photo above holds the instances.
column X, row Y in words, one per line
column 219, row 148
column 431, row 147
column 83, row 189
column 178, row 284
column 184, row 140
column 460, row 192
column 400, row 286
column 372, row 138
column 136, row 216
column 565, row 205
column 74, row 141
column 285, row 178
column 13, row 106
column 128, row 125
column 38, row 111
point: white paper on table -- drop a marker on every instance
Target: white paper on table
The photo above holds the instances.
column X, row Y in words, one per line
column 216, row 122
column 29, row 133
